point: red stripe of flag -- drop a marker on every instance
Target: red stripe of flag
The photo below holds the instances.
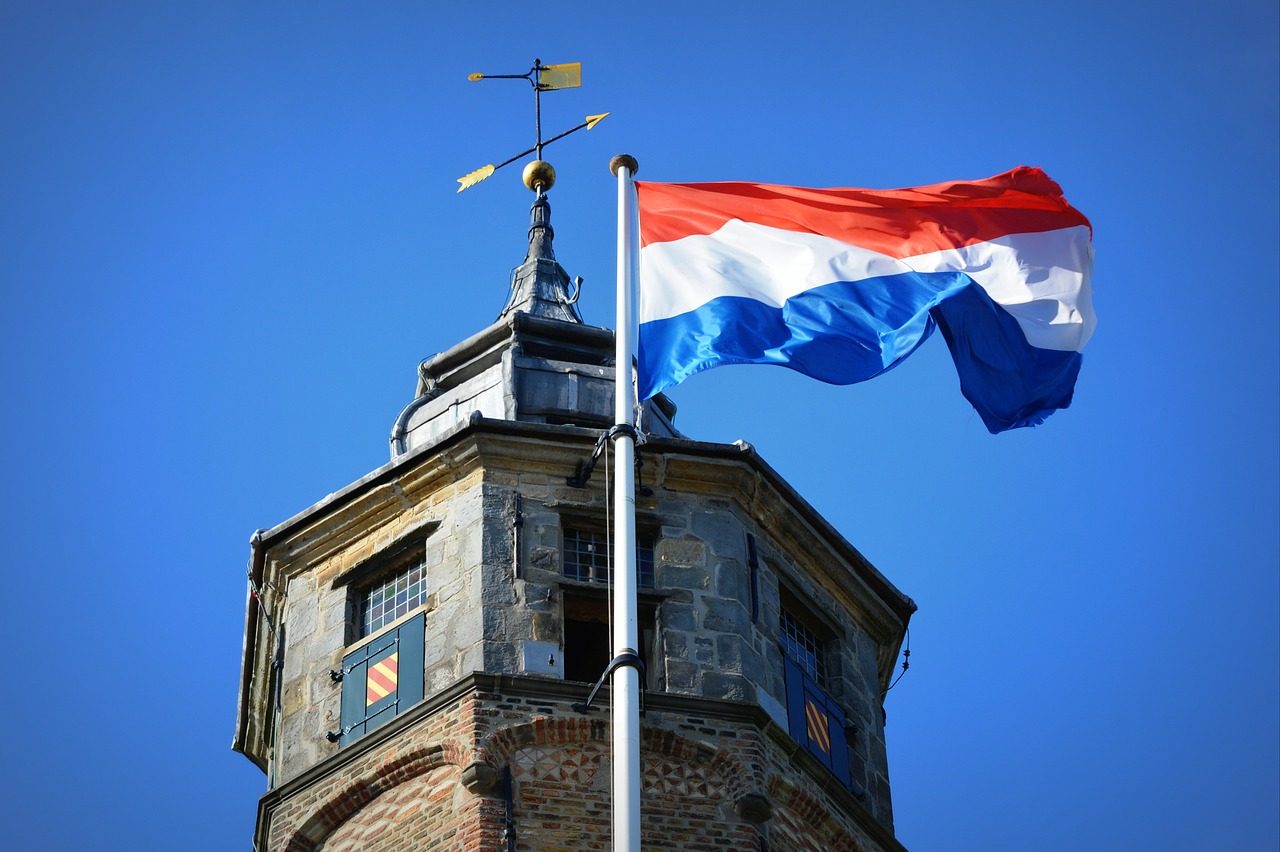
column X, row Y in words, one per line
column 895, row 222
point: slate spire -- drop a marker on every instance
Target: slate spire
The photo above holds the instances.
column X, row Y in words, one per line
column 540, row 286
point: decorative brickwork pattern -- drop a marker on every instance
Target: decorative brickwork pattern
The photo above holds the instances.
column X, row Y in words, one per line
column 570, row 766
column 408, row 791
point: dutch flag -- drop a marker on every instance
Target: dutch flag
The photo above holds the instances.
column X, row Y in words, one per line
column 842, row 284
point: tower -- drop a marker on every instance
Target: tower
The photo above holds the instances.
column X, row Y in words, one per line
column 421, row 645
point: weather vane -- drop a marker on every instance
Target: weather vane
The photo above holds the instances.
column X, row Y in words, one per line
column 538, row 175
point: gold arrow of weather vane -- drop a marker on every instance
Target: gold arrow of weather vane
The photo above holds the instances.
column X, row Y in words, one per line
column 544, row 78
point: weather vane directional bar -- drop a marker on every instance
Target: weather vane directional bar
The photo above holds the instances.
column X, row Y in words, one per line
column 543, row 78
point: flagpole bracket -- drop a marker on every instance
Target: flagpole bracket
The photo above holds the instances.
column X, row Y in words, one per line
column 580, row 479
column 626, row 658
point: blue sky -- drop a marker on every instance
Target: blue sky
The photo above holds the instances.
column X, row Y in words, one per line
column 229, row 232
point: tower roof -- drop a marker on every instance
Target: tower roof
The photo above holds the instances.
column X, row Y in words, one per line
column 538, row 362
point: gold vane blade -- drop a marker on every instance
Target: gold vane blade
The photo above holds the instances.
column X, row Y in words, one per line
column 593, row 120
column 566, row 76
column 474, row 77
column 475, row 177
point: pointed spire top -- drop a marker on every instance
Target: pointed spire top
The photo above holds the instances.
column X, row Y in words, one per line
column 540, row 286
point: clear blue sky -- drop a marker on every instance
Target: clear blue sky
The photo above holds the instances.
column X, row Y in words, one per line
column 229, row 232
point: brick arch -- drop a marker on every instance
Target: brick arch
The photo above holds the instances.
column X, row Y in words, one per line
column 796, row 808
column 342, row 804
column 501, row 744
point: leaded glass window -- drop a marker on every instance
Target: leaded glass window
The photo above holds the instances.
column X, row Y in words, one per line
column 803, row 646
column 587, row 557
column 399, row 594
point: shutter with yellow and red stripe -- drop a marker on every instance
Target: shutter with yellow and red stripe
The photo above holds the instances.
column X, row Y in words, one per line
column 382, row 679
column 816, row 721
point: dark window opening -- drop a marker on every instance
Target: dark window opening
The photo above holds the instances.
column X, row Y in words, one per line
column 588, row 646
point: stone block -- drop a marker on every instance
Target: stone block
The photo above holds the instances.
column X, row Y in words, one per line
column 754, row 808
column 682, row 577
column 545, row 559
column 496, row 586
column 703, row 649
column 682, row 675
column 733, row 581
column 674, row 616
column 682, row 551
column 294, row 696
column 497, row 502
column 533, row 486
column 501, row 657
column 472, row 660
column 857, row 766
column 725, row 616
column 776, row 709
column 434, row 555
column 496, row 542
column 729, row 653
column 675, row 644
column 721, row 531
column 495, row 622
column 448, row 590
column 730, row 687
column 480, row 778
column 545, row 627
column 335, row 613
column 542, row 658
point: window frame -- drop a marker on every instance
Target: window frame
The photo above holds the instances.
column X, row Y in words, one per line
column 362, row 648
column 814, row 719
column 647, row 538
column 374, row 570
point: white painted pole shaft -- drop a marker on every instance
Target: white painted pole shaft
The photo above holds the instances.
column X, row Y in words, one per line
column 626, row 679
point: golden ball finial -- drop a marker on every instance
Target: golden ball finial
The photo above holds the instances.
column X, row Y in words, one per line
column 539, row 174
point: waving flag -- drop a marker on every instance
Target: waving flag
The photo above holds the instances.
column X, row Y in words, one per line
column 842, row 284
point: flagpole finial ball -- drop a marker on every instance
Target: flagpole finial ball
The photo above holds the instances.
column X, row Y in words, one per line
column 624, row 160
column 539, row 175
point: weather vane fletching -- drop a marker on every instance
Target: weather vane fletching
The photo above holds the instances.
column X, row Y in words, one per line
column 473, row 178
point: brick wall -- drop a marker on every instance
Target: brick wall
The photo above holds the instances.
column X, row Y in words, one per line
column 415, row 783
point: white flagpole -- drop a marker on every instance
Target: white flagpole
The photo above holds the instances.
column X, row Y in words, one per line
column 626, row 679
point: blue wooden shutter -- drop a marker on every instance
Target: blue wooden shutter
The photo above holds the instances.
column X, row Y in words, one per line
column 381, row 679
column 816, row 722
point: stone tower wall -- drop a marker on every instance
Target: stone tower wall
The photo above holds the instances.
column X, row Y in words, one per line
column 488, row 510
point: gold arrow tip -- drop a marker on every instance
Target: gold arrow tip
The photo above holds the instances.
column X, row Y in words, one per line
column 475, row 177
column 474, row 77
column 593, row 120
